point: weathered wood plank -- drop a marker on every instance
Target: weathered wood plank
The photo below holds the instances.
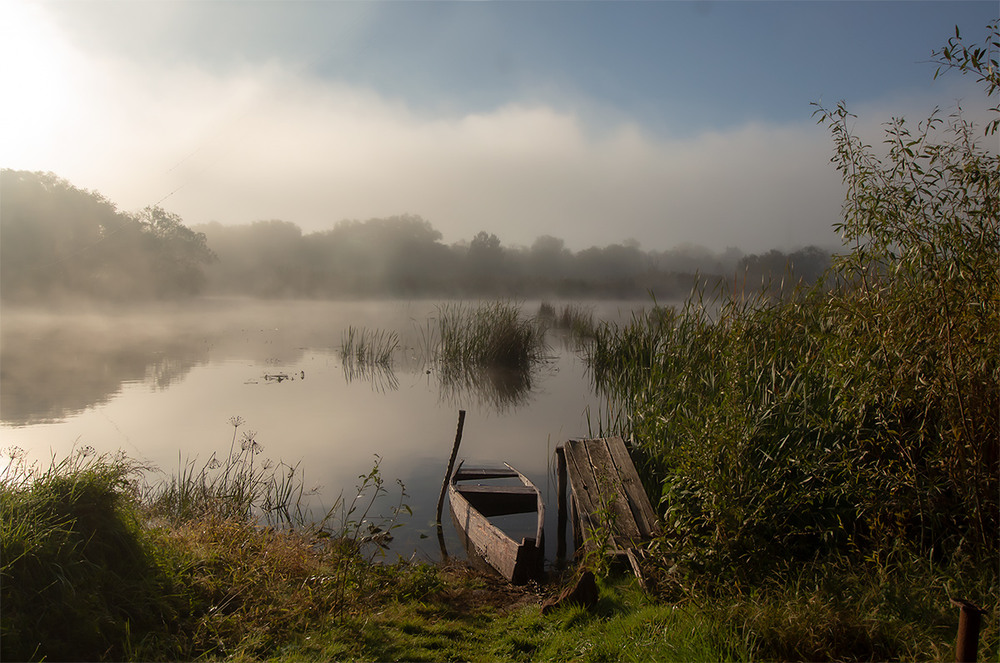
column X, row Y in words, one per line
column 642, row 509
column 604, row 483
column 611, row 495
column 497, row 549
column 582, row 482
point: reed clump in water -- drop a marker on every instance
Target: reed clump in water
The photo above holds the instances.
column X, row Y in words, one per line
column 576, row 319
column 489, row 335
column 365, row 347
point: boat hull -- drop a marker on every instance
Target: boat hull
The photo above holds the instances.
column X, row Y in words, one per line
column 471, row 506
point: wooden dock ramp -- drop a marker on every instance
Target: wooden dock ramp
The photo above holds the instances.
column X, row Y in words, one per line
column 606, row 498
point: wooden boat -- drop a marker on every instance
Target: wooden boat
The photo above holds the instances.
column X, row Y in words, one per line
column 472, row 504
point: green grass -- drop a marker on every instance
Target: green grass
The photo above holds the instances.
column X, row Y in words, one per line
column 96, row 564
column 76, row 573
column 88, row 573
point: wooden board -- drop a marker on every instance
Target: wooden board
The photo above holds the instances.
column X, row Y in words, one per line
column 608, row 495
column 482, row 473
column 638, row 501
column 482, row 537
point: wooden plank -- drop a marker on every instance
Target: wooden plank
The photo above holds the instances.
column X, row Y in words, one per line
column 560, row 503
column 497, row 491
column 483, row 473
column 582, row 482
column 482, row 537
column 603, row 479
column 642, row 509
column 611, row 495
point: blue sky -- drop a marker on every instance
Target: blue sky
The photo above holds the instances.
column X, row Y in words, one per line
column 664, row 122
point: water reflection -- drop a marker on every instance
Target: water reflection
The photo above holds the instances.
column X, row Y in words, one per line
column 498, row 389
column 53, row 368
column 160, row 384
column 381, row 377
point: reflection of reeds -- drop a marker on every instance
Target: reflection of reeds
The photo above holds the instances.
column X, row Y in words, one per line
column 497, row 388
column 368, row 347
column 381, row 376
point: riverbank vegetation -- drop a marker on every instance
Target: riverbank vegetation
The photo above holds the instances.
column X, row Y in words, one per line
column 99, row 565
column 834, row 450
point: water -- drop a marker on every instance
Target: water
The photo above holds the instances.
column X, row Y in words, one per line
column 162, row 382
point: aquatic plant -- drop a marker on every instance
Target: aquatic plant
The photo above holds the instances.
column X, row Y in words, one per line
column 361, row 346
column 492, row 334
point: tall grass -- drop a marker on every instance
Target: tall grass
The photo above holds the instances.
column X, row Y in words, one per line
column 95, row 564
column 75, row 574
column 492, row 334
column 368, row 347
column 489, row 351
column 743, row 429
column 238, row 485
column 574, row 318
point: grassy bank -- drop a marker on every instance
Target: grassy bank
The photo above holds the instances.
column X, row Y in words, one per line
column 97, row 565
column 92, row 570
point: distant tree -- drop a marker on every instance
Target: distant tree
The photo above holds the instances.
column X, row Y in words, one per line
column 548, row 259
column 485, row 259
column 57, row 240
column 178, row 253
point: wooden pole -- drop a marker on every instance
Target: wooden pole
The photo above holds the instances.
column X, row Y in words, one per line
column 451, row 464
column 561, row 502
column 969, row 621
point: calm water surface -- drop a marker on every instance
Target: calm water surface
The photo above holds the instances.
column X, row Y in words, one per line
column 162, row 383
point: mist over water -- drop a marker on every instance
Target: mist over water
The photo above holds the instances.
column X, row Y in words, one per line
column 161, row 382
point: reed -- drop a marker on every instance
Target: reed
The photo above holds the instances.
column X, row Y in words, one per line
column 492, row 334
column 576, row 319
column 365, row 347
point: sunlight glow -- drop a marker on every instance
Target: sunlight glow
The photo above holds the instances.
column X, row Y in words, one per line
column 37, row 84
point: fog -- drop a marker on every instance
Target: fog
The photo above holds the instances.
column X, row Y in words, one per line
column 61, row 244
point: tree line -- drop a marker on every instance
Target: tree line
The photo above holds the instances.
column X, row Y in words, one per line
column 58, row 240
